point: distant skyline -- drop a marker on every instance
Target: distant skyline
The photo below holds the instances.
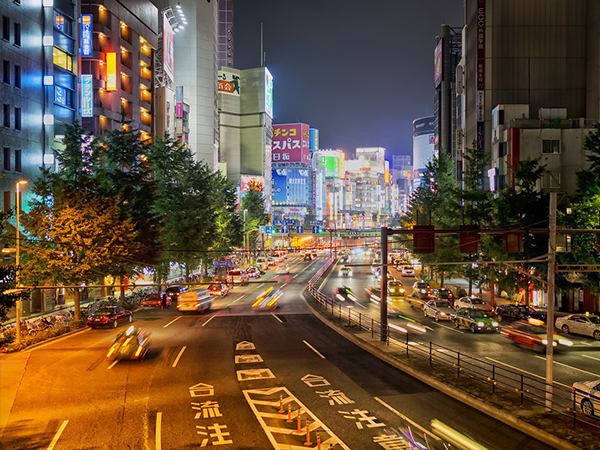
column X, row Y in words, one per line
column 359, row 71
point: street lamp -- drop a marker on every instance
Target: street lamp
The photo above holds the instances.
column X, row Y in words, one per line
column 17, row 255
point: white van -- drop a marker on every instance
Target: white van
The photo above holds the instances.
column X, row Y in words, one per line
column 197, row 301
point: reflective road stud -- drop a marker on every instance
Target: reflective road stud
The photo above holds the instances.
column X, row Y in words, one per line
column 307, row 433
column 289, row 419
column 281, row 403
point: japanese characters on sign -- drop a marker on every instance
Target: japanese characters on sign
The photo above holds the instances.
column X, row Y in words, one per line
column 111, row 71
column 87, row 93
column 86, row 35
column 438, row 72
column 291, row 143
column 229, row 83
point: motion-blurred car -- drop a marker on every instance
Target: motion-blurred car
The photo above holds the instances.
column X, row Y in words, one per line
column 109, row 316
column 475, row 319
column 239, row 276
column 408, row 271
column 154, row 299
column 344, row 294
column 584, row 324
column 438, row 309
column 174, row 291
column 254, row 272
column 267, row 300
column 516, row 312
column 346, row 259
column 132, row 343
column 194, row 301
column 346, row 271
column 587, row 396
column 219, row 289
column 377, row 275
column 421, row 293
column 396, row 288
column 308, row 256
column 473, row 302
column 531, row 333
column 261, row 262
column 282, row 269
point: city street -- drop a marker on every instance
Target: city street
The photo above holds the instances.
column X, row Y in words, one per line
column 217, row 378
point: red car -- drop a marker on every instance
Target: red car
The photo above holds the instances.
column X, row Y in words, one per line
column 531, row 333
column 218, row 289
column 154, row 299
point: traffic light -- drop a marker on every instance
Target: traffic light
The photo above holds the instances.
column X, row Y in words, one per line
column 423, row 239
column 320, row 229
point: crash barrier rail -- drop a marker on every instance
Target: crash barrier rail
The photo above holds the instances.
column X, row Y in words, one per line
column 523, row 386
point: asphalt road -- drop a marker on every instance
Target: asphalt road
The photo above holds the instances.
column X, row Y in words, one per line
column 577, row 363
column 223, row 378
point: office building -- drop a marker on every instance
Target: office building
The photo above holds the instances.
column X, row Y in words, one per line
column 423, row 146
column 225, row 34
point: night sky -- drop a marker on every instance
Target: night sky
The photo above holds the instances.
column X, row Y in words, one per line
column 359, row 71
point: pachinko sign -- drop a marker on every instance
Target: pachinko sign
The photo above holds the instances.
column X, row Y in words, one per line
column 291, row 143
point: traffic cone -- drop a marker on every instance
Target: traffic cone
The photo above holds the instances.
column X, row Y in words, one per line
column 281, row 404
column 318, row 440
column 299, row 430
column 289, row 419
column 307, row 434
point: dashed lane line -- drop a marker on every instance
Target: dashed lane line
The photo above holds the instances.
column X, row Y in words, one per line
column 313, row 349
column 524, row 371
column 57, row 435
column 209, row 319
column 174, row 320
column 591, row 357
column 451, row 328
column 570, row 367
column 265, row 404
column 158, row 431
column 179, row 356
column 280, row 321
column 113, row 364
column 405, row 418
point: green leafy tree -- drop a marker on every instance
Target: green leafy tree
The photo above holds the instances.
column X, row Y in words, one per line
column 8, row 272
column 254, row 204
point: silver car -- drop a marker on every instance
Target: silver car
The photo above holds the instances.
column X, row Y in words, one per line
column 440, row 309
column 587, row 396
column 584, row 324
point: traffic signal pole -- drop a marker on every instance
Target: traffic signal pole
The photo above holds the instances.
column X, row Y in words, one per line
column 551, row 300
column 384, row 281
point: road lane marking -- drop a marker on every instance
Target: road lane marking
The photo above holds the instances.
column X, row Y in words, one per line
column 158, row 431
column 402, row 416
column 265, row 404
column 241, row 298
column 524, row 371
column 57, row 435
column 283, row 285
column 313, row 349
column 273, row 314
column 176, row 318
column 295, row 275
column 570, row 367
column 209, row 319
column 113, row 364
column 591, row 357
column 451, row 328
column 179, row 356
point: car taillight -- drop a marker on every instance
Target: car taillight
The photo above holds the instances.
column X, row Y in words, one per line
column 138, row 351
column 90, row 319
column 105, row 319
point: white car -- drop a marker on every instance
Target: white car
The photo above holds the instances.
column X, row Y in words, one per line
column 473, row 302
column 439, row 309
column 587, row 396
column 408, row 271
column 585, row 324
column 282, row 269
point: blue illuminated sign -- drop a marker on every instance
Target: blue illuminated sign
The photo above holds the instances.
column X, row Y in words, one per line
column 87, row 93
column 86, row 35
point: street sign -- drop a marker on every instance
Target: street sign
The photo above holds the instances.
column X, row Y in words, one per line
column 268, row 229
column 300, row 229
column 290, row 222
column 285, row 229
column 315, row 229
column 315, row 223
column 278, row 222
column 262, row 229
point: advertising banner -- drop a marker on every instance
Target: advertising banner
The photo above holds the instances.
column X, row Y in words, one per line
column 86, row 35
column 229, row 83
column 330, row 166
column 438, row 72
column 87, row 99
column 268, row 93
column 248, row 180
column 480, row 74
column 168, row 48
column 314, row 139
column 291, row 143
column 111, row 71
column 279, row 186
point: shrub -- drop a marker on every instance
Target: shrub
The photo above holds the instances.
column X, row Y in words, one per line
column 42, row 336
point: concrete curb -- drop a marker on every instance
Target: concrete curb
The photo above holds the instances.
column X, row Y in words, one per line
column 46, row 341
column 462, row 397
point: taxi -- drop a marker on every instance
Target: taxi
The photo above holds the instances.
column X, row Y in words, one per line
column 475, row 319
column 267, row 300
column 346, row 271
column 587, row 396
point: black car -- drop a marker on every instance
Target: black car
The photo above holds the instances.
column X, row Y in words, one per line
column 344, row 294
column 517, row 312
column 109, row 316
column 308, row 257
column 444, row 294
column 174, row 291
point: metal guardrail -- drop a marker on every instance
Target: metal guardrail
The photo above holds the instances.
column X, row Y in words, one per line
column 521, row 385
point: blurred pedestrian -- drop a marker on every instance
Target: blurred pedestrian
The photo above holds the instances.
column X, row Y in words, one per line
column 163, row 301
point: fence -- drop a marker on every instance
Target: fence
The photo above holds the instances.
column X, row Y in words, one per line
column 522, row 386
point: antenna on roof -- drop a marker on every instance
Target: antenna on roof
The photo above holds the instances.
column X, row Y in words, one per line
column 262, row 54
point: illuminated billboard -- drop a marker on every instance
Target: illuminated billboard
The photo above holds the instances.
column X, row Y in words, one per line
column 86, row 35
column 386, row 172
column 229, row 82
column 290, row 186
column 278, row 187
column 291, row 143
column 268, row 93
column 314, row 139
column 438, row 72
column 111, row 71
column 168, row 48
column 87, row 99
column 249, row 180
column 332, row 163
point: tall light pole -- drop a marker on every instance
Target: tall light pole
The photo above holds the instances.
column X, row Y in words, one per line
column 18, row 255
column 246, row 239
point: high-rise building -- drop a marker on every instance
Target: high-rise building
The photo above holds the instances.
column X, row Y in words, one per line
column 423, row 146
column 225, row 34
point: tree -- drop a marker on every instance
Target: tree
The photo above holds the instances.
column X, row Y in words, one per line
column 8, row 274
column 254, row 203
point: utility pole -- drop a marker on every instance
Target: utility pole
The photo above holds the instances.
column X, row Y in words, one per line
column 384, row 283
column 551, row 300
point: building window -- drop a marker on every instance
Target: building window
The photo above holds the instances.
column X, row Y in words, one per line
column 17, row 118
column 63, row 23
column 6, row 160
column 6, row 72
column 551, row 180
column 18, row 161
column 17, row 28
column 550, row 146
column 17, row 76
column 5, row 28
column 6, row 110
column 7, row 199
column 62, row 59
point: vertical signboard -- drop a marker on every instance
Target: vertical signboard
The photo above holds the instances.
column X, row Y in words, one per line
column 179, row 102
column 314, row 139
column 86, row 35
column 168, row 48
column 279, row 186
column 290, row 143
column 111, row 71
column 268, row 93
column 87, row 99
column 437, row 79
column 480, row 74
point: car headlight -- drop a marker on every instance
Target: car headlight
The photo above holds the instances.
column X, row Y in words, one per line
column 495, row 324
column 479, row 324
column 442, row 314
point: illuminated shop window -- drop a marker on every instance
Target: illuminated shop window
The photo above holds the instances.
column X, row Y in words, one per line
column 62, row 59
